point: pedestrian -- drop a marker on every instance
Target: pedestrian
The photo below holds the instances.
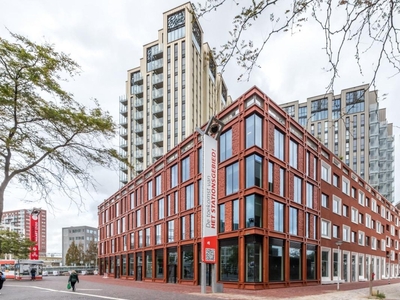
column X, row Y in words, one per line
column 73, row 278
column 33, row 274
column 2, row 279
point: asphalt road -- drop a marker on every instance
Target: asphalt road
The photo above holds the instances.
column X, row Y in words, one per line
column 55, row 287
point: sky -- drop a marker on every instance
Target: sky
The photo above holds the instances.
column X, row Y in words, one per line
column 106, row 38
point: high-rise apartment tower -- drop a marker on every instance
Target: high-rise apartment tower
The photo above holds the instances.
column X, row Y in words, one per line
column 353, row 127
column 174, row 90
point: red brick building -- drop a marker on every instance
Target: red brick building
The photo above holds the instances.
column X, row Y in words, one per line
column 274, row 230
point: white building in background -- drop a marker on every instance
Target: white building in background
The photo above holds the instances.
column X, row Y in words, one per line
column 19, row 221
column 353, row 127
column 174, row 89
column 78, row 234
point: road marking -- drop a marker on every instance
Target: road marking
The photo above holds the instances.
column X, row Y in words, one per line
column 70, row 292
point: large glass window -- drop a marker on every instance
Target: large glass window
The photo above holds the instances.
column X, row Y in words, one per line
column 276, row 259
column 325, row 264
column 235, row 214
column 187, row 262
column 185, row 169
column 225, row 145
column 295, row 261
column 174, row 176
column 253, row 258
column 253, row 171
column 176, row 26
column 228, row 260
column 270, row 177
column 131, row 265
column 293, row 154
column 311, row 262
column 158, row 185
column 161, row 209
column 310, row 195
column 254, row 211
column 159, row 263
column 253, row 131
column 279, row 145
column 150, row 190
column 232, row 178
column 189, row 196
column 293, row 221
column 222, row 218
column 297, row 189
column 149, row 264
column 158, row 235
column 355, row 102
column 171, row 233
column 278, row 216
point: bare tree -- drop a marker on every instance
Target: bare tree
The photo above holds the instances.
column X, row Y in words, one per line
column 367, row 26
column 48, row 141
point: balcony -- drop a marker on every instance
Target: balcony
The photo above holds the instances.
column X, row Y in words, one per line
column 123, row 133
column 137, row 89
column 123, row 122
column 123, row 100
column 157, row 152
column 139, row 154
column 138, row 116
column 158, row 123
column 139, row 142
column 158, row 108
column 155, row 65
column 139, row 128
column 158, row 80
column 138, row 102
column 158, row 137
column 123, row 144
column 157, row 94
column 136, row 78
column 139, row 167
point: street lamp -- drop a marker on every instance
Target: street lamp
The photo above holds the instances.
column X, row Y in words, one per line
column 338, row 244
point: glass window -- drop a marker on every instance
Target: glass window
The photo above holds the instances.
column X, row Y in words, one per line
column 191, row 226
column 149, row 264
column 293, row 221
column 148, row 237
column 158, row 235
column 278, row 216
column 270, row 177
column 171, row 233
column 253, row 171
column 253, row 258
column 324, row 201
column 253, row 131
column 311, row 262
column 295, row 261
column 279, row 145
column 297, row 189
column 228, row 260
column 222, row 218
column 158, row 185
column 185, row 169
column 293, row 154
column 325, row 263
column 254, row 211
column 159, row 263
column 310, row 195
column 187, row 262
column 183, row 228
column 235, row 214
column 282, row 182
column 150, row 190
column 161, row 209
column 276, row 259
column 225, row 145
column 189, row 196
column 174, row 176
column 232, row 178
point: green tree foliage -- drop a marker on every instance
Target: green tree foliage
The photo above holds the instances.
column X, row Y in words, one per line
column 73, row 256
column 48, row 140
column 13, row 243
column 362, row 26
column 91, row 253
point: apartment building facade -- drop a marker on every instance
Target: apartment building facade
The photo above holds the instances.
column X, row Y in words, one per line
column 80, row 235
column 174, row 90
column 284, row 202
column 19, row 221
column 353, row 127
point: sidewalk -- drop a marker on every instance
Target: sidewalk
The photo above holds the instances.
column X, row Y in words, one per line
column 352, row 290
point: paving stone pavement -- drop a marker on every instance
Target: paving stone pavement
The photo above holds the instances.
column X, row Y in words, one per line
column 348, row 291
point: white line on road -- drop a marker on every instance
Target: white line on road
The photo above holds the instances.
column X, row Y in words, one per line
column 69, row 292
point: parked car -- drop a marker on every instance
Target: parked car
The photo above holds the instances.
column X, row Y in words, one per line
column 45, row 273
column 56, row 273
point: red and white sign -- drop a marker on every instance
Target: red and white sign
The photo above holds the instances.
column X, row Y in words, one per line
column 210, row 203
column 34, row 235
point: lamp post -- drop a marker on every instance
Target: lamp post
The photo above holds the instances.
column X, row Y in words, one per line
column 338, row 244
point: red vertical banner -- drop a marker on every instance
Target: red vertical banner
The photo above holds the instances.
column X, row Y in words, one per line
column 34, row 234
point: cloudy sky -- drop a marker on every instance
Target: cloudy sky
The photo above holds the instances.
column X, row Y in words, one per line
column 106, row 38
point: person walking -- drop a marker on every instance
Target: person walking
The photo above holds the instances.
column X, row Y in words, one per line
column 73, row 279
column 2, row 279
column 33, row 274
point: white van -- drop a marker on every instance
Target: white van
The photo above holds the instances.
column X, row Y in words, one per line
column 55, row 273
